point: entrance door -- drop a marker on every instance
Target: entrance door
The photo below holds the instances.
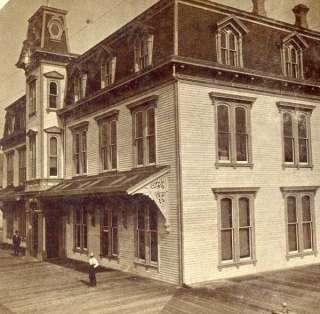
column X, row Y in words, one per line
column 35, row 240
column 53, row 224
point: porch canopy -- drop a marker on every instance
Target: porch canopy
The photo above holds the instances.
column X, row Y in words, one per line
column 149, row 181
column 11, row 194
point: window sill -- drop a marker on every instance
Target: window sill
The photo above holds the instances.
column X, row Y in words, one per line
column 234, row 165
column 237, row 264
column 297, row 166
column 301, row 254
column 79, row 176
column 110, row 258
column 144, row 264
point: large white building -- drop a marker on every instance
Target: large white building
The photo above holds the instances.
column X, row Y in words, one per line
column 183, row 147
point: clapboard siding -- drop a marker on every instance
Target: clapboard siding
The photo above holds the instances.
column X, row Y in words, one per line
column 199, row 176
column 166, row 155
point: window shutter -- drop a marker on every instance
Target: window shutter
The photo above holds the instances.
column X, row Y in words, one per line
column 113, row 68
column 150, row 49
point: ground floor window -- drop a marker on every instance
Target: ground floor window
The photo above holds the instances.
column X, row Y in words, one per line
column 147, row 234
column 81, row 229
column 236, row 225
column 9, row 224
column 109, row 233
column 299, row 212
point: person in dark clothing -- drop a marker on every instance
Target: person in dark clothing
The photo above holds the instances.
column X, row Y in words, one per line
column 16, row 240
column 93, row 264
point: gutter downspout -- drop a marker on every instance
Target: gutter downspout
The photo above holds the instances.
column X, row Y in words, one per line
column 179, row 179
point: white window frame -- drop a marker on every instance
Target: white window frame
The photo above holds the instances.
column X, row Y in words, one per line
column 143, row 51
column 83, row 224
column 57, row 96
column 108, row 71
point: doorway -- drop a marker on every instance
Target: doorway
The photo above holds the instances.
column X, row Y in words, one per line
column 35, row 239
column 53, row 233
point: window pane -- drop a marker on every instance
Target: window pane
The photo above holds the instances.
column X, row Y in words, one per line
column 244, row 242
column 291, row 206
column 306, row 212
column 223, row 119
column 232, row 41
column 292, row 230
column 223, row 39
column 139, row 124
column 53, row 146
column 53, row 88
column 244, row 212
column 104, row 134
column 78, row 237
column 139, row 144
column 152, row 149
column 85, row 237
column 287, row 125
column 153, row 224
column 154, row 246
column 150, row 119
column 141, row 223
column 303, row 150
column 141, row 245
column 113, row 132
column 226, row 245
column 115, row 241
column 105, row 242
column 307, row 238
column 226, row 213
column 78, row 216
column 302, row 126
column 288, row 149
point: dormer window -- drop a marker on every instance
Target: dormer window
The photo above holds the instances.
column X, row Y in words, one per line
column 108, row 71
column 292, row 56
column 229, row 42
column 143, row 50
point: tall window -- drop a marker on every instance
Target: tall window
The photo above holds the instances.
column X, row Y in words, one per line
column 53, row 95
column 233, row 143
column 108, row 71
column 299, row 206
column 236, row 226
column 32, row 156
column 108, row 144
column 81, row 229
column 53, row 157
column 296, row 135
column 109, row 233
column 32, row 97
column 10, row 158
column 80, row 85
column 144, row 136
column 80, row 151
column 143, row 50
column 147, row 235
column 293, row 60
column 22, row 166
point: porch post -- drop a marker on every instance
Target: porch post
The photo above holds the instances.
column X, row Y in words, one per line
column 41, row 255
column 28, row 233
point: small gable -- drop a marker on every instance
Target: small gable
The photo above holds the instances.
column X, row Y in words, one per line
column 234, row 23
column 54, row 75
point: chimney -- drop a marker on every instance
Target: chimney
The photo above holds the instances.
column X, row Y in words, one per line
column 258, row 7
column 301, row 11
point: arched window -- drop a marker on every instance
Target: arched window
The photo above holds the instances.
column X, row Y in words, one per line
column 292, row 224
column 53, row 95
column 226, row 229
column 229, row 47
column 223, row 133
column 288, row 138
column 241, row 134
column 303, row 139
column 53, row 157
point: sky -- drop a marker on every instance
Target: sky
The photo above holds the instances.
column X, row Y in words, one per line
column 105, row 17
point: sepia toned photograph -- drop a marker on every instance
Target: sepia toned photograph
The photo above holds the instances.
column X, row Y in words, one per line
column 159, row 156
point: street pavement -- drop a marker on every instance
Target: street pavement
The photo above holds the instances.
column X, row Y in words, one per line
column 61, row 287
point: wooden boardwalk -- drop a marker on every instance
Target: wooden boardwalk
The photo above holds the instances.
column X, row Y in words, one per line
column 28, row 286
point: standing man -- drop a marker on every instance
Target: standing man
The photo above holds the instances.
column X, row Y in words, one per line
column 93, row 264
column 16, row 240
